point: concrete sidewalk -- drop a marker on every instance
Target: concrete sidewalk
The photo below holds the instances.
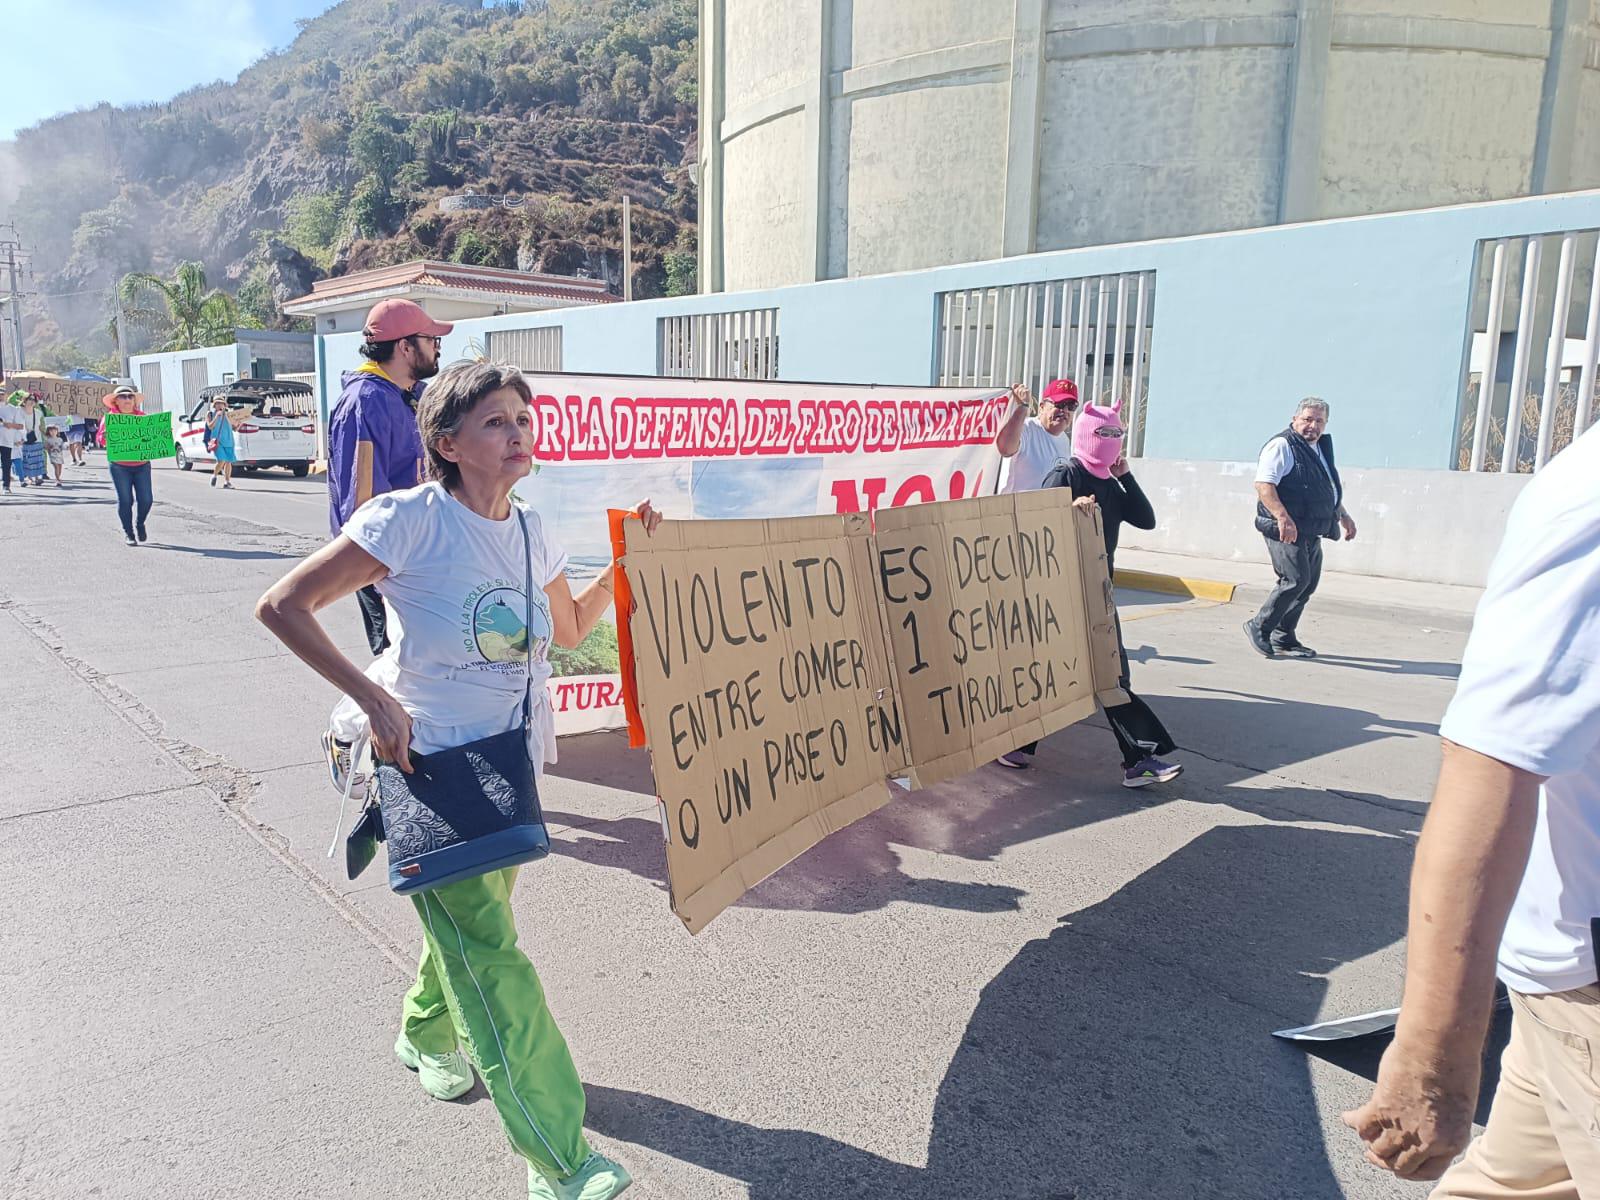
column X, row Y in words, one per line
column 1346, row 593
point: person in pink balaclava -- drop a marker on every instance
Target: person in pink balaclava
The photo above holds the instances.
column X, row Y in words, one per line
column 1098, row 473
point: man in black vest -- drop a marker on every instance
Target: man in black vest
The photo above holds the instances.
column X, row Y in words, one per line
column 1299, row 502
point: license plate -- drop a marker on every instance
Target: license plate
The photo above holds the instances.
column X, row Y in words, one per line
column 280, row 435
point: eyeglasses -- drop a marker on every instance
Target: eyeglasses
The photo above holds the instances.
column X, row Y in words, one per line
column 1070, row 403
column 438, row 342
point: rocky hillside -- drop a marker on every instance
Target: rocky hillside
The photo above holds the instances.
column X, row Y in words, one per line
column 332, row 155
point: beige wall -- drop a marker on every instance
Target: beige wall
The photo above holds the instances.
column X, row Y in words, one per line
column 1208, row 164
column 896, row 138
column 1404, row 127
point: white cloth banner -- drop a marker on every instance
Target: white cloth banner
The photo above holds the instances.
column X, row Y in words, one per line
column 722, row 449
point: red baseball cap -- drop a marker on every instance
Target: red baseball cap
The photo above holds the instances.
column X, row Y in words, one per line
column 1060, row 391
column 391, row 320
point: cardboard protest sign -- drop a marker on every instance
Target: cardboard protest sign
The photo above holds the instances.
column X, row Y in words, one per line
column 986, row 617
column 765, row 692
column 785, row 670
column 132, row 438
column 62, row 396
column 732, row 449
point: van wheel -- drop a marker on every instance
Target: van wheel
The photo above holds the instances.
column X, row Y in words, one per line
column 301, row 470
column 183, row 461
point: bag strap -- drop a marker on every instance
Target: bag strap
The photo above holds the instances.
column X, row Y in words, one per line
column 527, row 559
column 356, row 752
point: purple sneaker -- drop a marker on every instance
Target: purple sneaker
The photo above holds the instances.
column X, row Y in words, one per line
column 1017, row 760
column 1150, row 770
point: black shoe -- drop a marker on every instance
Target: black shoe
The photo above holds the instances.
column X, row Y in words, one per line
column 143, row 536
column 1258, row 640
column 1293, row 649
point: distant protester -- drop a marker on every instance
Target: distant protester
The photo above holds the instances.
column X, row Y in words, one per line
column 1299, row 501
column 373, row 444
column 32, row 467
column 76, row 429
column 131, row 479
column 219, row 442
column 1098, row 474
column 1033, row 446
column 54, row 449
column 10, row 434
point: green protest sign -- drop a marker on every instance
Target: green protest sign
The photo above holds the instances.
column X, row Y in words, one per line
column 132, row 438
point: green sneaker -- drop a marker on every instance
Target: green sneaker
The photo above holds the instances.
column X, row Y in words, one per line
column 598, row 1179
column 443, row 1076
column 539, row 1186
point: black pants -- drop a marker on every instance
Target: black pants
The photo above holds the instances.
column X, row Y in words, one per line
column 1139, row 732
column 132, row 483
column 375, row 617
column 5, row 465
column 1299, row 568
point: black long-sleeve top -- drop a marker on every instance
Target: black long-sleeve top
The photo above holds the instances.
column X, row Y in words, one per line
column 1120, row 499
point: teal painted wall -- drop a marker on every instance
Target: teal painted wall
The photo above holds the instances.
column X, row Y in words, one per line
column 1368, row 313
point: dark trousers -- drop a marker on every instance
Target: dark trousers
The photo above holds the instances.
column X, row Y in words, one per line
column 1299, row 568
column 5, row 465
column 1139, row 732
column 375, row 618
column 132, row 483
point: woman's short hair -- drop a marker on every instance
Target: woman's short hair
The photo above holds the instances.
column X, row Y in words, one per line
column 448, row 400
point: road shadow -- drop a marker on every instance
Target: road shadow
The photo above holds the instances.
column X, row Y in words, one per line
column 1267, row 733
column 213, row 552
column 1147, row 653
column 1125, row 1055
column 1389, row 666
column 51, row 496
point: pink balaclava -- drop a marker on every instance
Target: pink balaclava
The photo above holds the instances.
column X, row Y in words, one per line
column 1097, row 438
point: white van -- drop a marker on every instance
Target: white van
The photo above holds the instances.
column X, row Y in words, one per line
column 274, row 425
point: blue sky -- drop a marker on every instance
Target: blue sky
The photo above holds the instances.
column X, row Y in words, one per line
column 67, row 54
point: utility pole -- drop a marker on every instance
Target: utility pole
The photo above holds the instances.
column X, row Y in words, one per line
column 122, row 333
column 627, row 247
column 11, row 247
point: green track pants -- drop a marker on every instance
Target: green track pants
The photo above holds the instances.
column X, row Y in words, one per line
column 473, row 978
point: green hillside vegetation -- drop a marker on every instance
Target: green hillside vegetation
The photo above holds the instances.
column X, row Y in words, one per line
column 329, row 156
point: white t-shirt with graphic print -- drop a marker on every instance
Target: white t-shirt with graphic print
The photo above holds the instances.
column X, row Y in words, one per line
column 462, row 646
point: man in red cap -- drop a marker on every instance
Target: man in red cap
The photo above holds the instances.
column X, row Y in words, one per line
column 1035, row 446
column 373, row 443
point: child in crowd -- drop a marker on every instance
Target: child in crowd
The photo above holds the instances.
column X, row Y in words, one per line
column 54, row 445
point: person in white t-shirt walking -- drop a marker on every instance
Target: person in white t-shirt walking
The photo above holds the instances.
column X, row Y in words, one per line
column 1510, row 854
column 450, row 556
column 10, row 434
column 1035, row 446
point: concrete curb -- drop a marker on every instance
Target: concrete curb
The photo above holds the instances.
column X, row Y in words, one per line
column 1175, row 585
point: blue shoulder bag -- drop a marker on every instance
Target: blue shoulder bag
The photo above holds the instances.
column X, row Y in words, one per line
column 461, row 812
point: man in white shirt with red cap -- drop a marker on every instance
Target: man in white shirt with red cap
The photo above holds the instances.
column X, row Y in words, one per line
column 1035, row 446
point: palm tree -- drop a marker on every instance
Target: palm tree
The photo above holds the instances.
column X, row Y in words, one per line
column 182, row 312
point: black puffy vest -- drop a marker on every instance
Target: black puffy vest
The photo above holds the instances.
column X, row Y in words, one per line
column 1306, row 492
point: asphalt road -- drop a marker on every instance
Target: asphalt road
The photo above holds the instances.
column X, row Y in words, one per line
column 1033, row 985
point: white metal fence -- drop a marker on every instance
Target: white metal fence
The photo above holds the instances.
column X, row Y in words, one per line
column 529, row 349
column 1094, row 330
column 724, row 345
column 196, row 375
column 1529, row 384
column 150, row 386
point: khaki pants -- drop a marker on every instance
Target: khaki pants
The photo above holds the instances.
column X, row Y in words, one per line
column 1543, row 1137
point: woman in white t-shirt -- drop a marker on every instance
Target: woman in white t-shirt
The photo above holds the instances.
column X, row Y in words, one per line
column 449, row 558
